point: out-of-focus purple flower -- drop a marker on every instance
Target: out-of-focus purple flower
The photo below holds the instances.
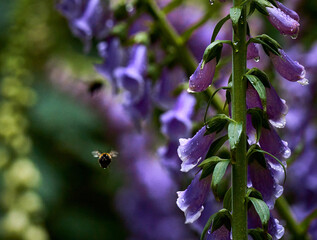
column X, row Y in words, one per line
column 262, row 179
column 169, row 157
column 192, row 199
column 176, row 122
column 288, row 68
column 169, row 80
column 111, row 53
column 282, row 19
column 87, row 19
column 276, row 107
column 193, row 150
column 201, row 79
column 130, row 78
column 274, row 228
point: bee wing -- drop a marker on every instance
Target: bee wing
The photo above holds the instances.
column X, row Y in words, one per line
column 95, row 153
column 113, row 153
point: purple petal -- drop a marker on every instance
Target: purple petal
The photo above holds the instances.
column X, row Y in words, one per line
column 202, row 78
column 192, row 199
column 252, row 51
column 283, row 22
column 222, row 233
column 262, row 179
column 288, row 11
column 289, row 69
column 169, row 157
column 193, row 150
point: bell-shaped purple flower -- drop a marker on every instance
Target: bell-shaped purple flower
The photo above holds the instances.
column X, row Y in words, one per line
column 191, row 200
column 111, row 52
column 201, row 79
column 288, row 68
column 263, row 180
column 252, row 51
column 276, row 107
column 130, row 78
column 168, row 156
column 176, row 122
column 284, row 19
column 194, row 150
column 222, row 233
column 274, row 228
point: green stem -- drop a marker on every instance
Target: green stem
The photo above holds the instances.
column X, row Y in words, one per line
column 185, row 58
column 292, row 225
column 239, row 166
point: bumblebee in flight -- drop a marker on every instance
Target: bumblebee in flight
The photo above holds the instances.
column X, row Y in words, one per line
column 104, row 159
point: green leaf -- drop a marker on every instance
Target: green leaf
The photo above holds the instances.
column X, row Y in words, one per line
column 207, row 226
column 212, row 51
column 216, row 145
column 234, row 133
column 208, row 165
column 227, row 200
column 235, row 14
column 259, row 87
column 218, row 173
column 262, row 210
column 260, row 75
column 218, row 27
column 261, row 6
column 255, row 155
column 259, row 234
column 223, row 217
column 252, row 192
column 217, row 123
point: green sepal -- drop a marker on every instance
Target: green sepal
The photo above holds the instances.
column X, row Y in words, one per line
column 216, row 145
column 252, row 192
column 260, row 75
column 227, row 200
column 259, row 120
column 217, row 175
column 262, row 210
column 259, row 87
column 254, row 155
column 234, row 133
column 212, row 51
column 261, row 6
column 217, row 123
column 208, row 165
column 223, row 217
column 218, row 27
column 259, row 234
column 235, row 14
column 268, row 44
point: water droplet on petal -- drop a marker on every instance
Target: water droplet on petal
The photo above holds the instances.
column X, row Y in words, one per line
column 257, row 59
column 211, row 2
column 303, row 82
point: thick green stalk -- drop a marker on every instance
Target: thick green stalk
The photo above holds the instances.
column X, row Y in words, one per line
column 239, row 167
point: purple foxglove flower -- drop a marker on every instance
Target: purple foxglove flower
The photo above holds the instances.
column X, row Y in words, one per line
column 130, row 78
column 252, row 51
column 276, row 107
column 201, row 79
column 192, row 199
column 274, row 228
column 176, row 122
column 272, row 143
column 110, row 51
column 169, row 157
column 262, row 179
column 169, row 80
column 193, row 150
column 289, row 69
column 222, row 233
column 282, row 19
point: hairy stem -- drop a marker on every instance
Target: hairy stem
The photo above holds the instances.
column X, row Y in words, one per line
column 239, row 166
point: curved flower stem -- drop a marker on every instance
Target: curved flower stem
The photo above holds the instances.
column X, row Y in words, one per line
column 185, row 58
column 239, row 167
column 293, row 226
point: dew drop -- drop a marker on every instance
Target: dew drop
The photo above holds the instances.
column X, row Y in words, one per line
column 256, row 59
column 303, row 82
column 211, row 2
